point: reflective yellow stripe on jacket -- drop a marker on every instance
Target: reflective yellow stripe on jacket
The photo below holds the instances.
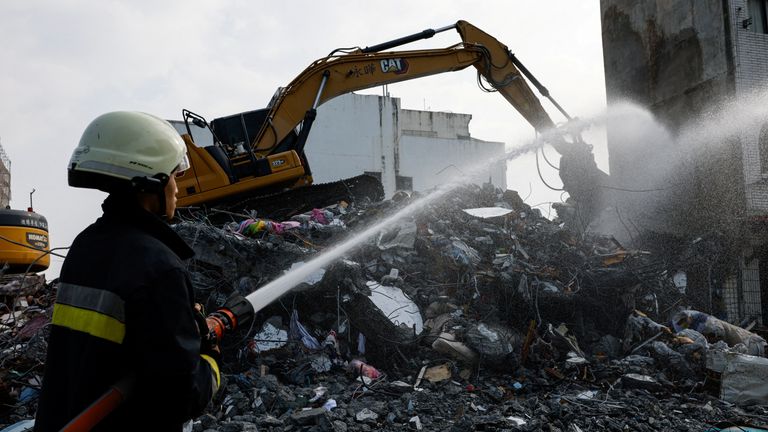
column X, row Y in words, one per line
column 214, row 372
column 97, row 312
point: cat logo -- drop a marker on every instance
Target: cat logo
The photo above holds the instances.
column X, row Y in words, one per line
column 39, row 241
column 396, row 65
column 278, row 162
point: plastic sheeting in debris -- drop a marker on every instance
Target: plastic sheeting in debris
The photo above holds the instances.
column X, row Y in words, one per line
column 270, row 337
column 493, row 341
column 717, row 356
column 745, row 379
column 488, row 212
column 401, row 310
column 299, row 332
column 718, row 329
column 461, row 253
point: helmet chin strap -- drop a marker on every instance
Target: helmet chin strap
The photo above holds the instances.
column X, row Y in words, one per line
column 153, row 186
column 163, row 207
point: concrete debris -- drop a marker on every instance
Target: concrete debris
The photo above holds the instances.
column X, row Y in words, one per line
column 308, row 416
column 633, row 380
column 366, row 415
column 475, row 313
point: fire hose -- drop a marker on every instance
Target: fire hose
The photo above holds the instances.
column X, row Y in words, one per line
column 235, row 313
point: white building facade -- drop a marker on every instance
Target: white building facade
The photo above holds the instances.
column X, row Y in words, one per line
column 407, row 149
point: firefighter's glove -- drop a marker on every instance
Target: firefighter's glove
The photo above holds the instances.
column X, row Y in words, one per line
column 208, row 345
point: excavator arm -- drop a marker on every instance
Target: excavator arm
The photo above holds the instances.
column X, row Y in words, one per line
column 275, row 156
column 359, row 69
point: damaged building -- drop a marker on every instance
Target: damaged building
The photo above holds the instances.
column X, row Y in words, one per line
column 699, row 68
column 410, row 150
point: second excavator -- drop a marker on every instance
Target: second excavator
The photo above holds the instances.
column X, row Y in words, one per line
column 260, row 153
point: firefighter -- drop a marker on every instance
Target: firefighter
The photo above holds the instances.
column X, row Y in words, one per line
column 124, row 309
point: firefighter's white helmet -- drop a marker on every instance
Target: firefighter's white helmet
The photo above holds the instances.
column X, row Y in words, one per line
column 127, row 148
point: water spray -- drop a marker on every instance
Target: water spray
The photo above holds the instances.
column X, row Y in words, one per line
column 282, row 285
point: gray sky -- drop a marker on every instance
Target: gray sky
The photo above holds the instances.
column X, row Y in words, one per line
column 66, row 62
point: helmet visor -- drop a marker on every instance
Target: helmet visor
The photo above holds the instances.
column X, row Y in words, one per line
column 183, row 165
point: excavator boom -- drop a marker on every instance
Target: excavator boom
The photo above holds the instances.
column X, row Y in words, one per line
column 367, row 68
column 261, row 151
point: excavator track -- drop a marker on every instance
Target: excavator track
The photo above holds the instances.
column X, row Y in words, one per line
column 282, row 205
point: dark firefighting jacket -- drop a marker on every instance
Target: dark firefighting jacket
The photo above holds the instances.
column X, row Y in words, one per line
column 124, row 306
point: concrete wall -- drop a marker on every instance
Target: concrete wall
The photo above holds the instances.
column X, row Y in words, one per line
column 351, row 135
column 751, row 66
column 435, row 124
column 673, row 58
column 681, row 60
column 367, row 133
column 750, row 52
column 433, row 162
column 658, row 53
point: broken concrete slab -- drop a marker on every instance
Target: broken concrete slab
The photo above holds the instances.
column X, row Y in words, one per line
column 308, row 416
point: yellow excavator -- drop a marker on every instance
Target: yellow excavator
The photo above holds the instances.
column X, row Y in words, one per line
column 24, row 245
column 260, row 152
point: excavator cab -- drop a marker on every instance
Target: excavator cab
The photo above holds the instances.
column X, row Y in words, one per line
column 229, row 161
column 237, row 132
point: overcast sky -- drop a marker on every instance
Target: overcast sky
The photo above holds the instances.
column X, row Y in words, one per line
column 67, row 61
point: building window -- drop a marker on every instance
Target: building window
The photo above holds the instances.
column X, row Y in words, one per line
column 758, row 16
column 762, row 147
column 404, row 183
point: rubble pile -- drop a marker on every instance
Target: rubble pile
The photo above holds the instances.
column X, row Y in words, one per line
column 472, row 313
column 25, row 310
